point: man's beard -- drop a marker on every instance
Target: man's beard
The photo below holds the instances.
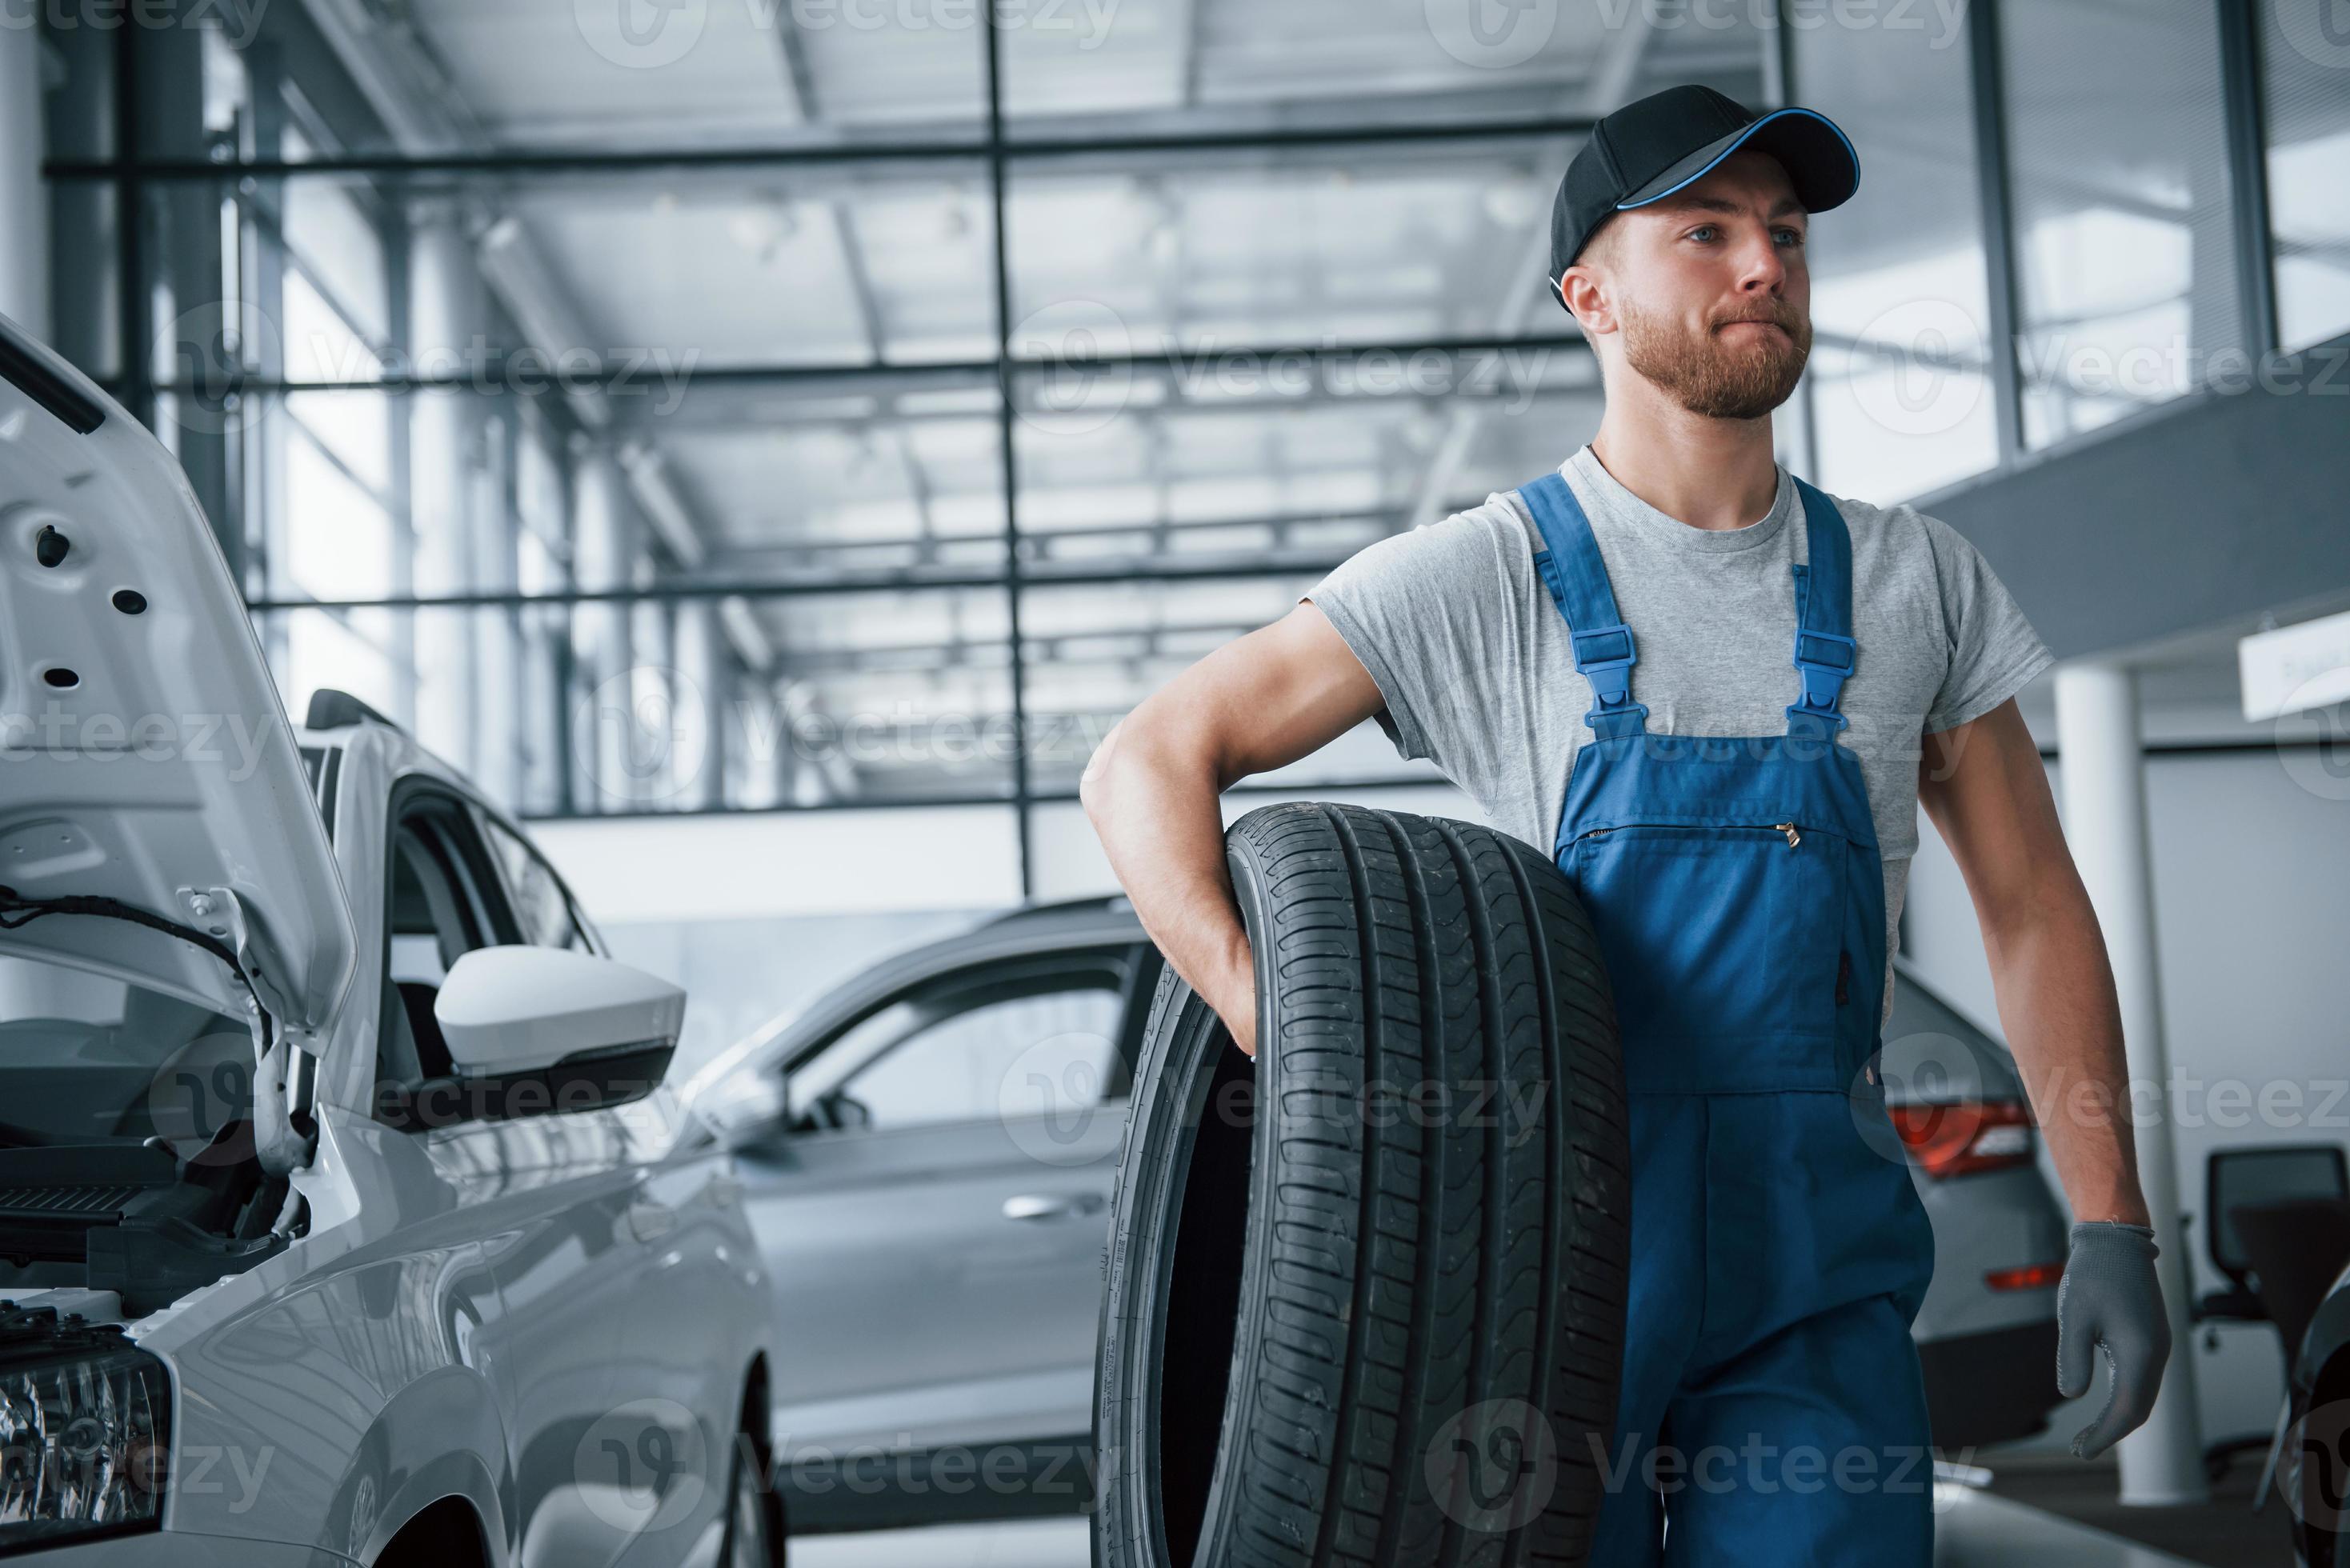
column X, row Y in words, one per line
column 1716, row 378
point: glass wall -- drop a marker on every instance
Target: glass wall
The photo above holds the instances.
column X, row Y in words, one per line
column 2124, row 219
column 1900, row 379
column 2305, row 79
column 622, row 395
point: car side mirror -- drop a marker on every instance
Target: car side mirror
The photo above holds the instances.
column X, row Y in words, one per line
column 838, row 1111
column 743, row 1108
column 531, row 1030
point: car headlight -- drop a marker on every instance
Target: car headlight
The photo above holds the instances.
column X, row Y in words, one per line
column 84, row 1430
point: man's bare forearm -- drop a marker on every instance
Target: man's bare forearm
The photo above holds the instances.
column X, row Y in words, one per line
column 2056, row 992
column 1155, row 807
column 1257, row 704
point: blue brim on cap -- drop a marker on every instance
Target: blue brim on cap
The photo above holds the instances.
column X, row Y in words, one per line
column 1818, row 157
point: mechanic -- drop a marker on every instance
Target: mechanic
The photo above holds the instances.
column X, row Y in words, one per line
column 1740, row 829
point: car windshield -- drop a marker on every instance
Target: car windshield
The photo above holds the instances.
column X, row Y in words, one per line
column 90, row 1059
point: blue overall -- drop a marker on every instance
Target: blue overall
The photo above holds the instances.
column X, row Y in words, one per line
column 1772, row 1408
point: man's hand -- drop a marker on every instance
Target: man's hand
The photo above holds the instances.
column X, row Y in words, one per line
column 1255, row 704
column 1238, row 1010
column 2109, row 1297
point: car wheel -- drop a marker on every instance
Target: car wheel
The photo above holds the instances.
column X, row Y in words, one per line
column 1365, row 1295
column 754, row 1525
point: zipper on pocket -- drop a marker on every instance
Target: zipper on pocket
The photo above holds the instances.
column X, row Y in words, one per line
column 1795, row 837
column 1844, row 977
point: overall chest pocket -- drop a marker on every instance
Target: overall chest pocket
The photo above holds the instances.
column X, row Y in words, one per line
column 1725, row 947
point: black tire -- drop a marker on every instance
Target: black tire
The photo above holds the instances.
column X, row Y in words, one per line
column 1330, row 1266
column 754, row 1535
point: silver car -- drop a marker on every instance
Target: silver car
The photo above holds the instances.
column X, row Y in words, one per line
column 343, row 1219
column 927, row 1154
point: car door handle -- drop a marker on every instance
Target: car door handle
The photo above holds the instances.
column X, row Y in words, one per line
column 651, row 1221
column 1052, row 1205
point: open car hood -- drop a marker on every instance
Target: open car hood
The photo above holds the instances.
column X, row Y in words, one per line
column 144, row 755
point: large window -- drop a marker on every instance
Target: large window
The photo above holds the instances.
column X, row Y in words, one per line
column 2124, row 239
column 2305, row 77
column 1900, row 379
column 673, row 408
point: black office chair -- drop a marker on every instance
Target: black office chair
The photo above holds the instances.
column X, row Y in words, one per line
column 2297, row 1247
column 2256, row 1178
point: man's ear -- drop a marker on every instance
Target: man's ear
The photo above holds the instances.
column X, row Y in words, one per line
column 1586, row 300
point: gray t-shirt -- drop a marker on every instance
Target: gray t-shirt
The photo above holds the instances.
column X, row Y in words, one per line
column 1472, row 656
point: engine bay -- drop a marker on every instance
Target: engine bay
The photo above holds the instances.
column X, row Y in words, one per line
column 136, row 1218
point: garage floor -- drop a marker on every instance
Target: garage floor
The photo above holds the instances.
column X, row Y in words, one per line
column 2223, row 1532
column 1977, row 1530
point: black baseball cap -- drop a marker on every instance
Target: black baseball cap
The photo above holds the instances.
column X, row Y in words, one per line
column 1650, row 149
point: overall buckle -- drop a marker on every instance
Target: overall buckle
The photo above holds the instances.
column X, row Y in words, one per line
column 1823, row 659
column 1825, row 642
column 1608, row 667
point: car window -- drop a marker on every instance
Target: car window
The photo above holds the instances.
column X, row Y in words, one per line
column 442, row 902
column 435, row 918
column 984, row 1051
column 541, row 905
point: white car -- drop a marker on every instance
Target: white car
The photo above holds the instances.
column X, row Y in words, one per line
column 344, row 1217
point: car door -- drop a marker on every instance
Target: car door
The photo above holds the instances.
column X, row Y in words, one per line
column 933, row 1205
column 672, row 1399
column 547, row 1199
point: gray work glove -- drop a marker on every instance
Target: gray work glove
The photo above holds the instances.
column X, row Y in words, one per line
column 2109, row 1297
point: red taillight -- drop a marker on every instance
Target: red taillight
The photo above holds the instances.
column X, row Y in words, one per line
column 1965, row 1137
column 2038, row 1277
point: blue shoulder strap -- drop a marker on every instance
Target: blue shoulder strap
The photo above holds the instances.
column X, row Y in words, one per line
column 1576, row 578
column 1825, row 650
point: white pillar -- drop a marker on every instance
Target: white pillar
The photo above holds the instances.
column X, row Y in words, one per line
column 443, row 450
column 2101, row 768
column 652, row 709
column 498, row 740
column 24, row 201
column 604, row 547
column 699, row 726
